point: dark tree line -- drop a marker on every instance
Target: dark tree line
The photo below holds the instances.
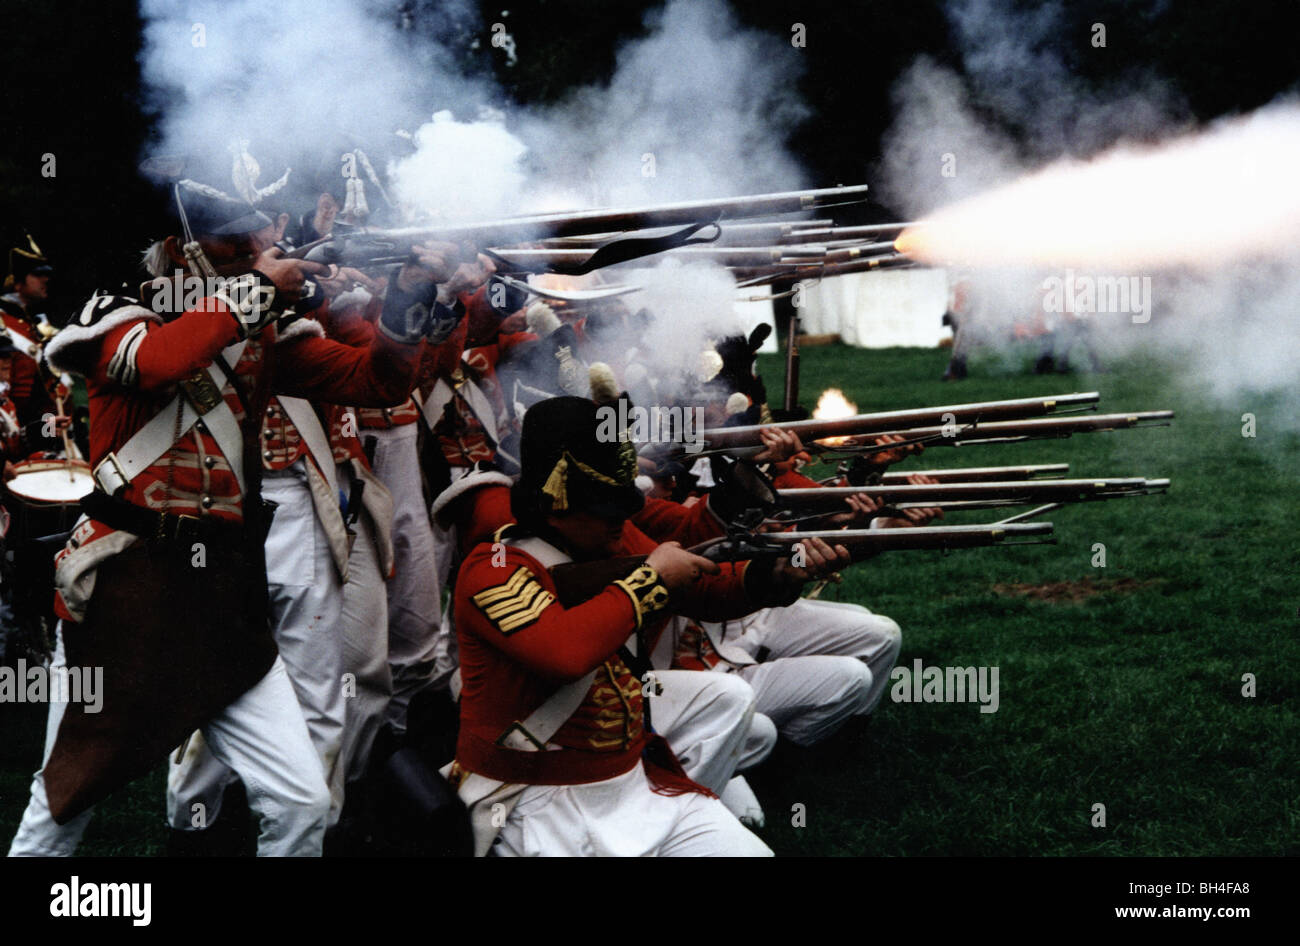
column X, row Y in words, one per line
column 71, row 90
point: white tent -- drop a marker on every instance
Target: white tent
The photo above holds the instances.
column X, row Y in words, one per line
column 879, row 309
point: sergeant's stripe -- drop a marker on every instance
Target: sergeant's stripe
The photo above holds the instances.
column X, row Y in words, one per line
column 520, row 601
column 516, row 621
column 506, row 589
column 516, row 602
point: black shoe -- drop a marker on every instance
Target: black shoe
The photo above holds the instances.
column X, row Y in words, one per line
column 230, row 835
column 353, row 835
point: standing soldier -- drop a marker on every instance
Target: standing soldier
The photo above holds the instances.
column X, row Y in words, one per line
column 415, row 591
column 163, row 584
column 21, row 307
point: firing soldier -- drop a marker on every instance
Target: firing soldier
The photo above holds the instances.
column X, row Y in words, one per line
column 163, row 583
column 308, row 550
column 392, row 436
column 553, row 721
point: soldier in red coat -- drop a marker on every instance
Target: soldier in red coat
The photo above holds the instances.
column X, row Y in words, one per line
column 163, row 582
column 554, row 731
column 22, row 310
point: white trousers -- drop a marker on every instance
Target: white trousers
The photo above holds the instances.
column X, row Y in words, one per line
column 622, row 817
column 363, row 626
column 446, row 650
column 261, row 736
column 707, row 719
column 306, row 599
column 415, row 592
column 825, row 662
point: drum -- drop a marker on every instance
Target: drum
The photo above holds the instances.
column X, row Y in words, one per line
column 43, row 496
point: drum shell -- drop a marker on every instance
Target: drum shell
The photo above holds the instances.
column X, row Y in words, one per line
column 33, row 516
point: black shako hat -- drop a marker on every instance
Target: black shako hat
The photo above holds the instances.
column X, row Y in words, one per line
column 27, row 259
column 211, row 212
column 574, row 458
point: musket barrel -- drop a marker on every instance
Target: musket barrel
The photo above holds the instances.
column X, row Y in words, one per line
column 730, row 234
column 722, row 255
column 833, row 498
column 982, row 473
column 1033, row 428
column 529, row 228
column 891, row 421
column 794, row 269
column 808, row 231
column 832, row 536
column 859, row 541
column 883, row 261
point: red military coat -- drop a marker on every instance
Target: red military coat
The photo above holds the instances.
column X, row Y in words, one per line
column 132, row 363
column 518, row 644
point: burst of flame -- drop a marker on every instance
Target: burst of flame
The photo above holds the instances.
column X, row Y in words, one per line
column 830, row 406
column 1202, row 200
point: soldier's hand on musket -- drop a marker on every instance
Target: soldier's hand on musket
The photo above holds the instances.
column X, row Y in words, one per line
column 429, row 263
column 915, row 517
column 884, row 458
column 288, row 275
column 679, row 568
column 781, row 446
column 342, row 278
column 862, row 509
column 923, row 515
column 816, row 560
column 469, row 276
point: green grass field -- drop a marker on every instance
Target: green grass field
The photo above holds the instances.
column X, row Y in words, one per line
column 1119, row 686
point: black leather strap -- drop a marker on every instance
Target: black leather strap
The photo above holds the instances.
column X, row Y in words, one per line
column 163, row 526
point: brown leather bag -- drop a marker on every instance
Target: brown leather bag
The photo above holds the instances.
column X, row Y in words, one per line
column 178, row 642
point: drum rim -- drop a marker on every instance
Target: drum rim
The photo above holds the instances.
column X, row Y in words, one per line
column 79, row 467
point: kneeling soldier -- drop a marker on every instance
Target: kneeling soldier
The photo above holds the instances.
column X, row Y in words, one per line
column 556, row 754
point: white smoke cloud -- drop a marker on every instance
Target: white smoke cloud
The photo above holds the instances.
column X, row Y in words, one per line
column 295, row 77
column 462, row 170
column 1017, row 107
column 710, row 104
column 693, row 304
column 697, row 108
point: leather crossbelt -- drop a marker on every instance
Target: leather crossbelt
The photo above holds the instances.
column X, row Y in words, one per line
column 150, row 442
column 153, row 524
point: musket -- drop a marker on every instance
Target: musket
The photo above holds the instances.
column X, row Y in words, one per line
column 1011, row 431
column 730, row 234
column 977, row 474
column 800, row 260
column 969, row 495
column 576, row 582
column 793, row 271
column 862, row 544
column 863, row 264
column 883, row 422
column 825, row 234
column 367, row 246
column 530, row 259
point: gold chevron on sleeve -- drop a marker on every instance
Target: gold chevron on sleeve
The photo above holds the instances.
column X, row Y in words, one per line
column 513, row 622
column 516, row 602
column 506, row 589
